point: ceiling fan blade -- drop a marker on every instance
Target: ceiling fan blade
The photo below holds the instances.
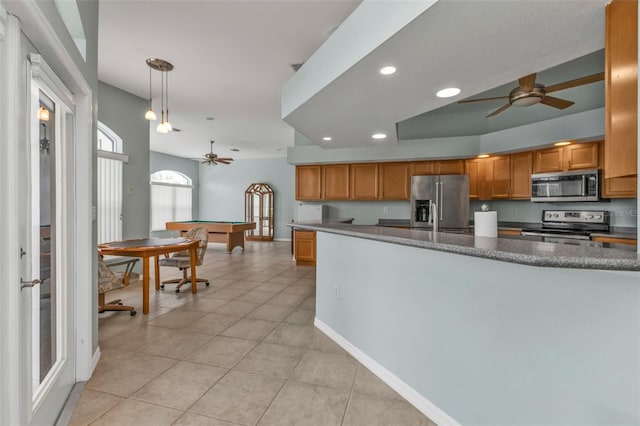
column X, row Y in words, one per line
column 527, row 82
column 498, row 111
column 467, row 101
column 556, row 102
column 222, row 161
column 573, row 83
column 225, row 158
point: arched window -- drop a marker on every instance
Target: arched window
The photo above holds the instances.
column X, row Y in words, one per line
column 109, row 191
column 170, row 198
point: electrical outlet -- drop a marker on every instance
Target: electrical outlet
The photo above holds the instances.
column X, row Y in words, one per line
column 336, row 292
column 385, row 209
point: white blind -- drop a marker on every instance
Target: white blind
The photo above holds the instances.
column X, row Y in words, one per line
column 109, row 200
column 168, row 204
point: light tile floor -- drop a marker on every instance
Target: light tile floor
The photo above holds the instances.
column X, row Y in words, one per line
column 243, row 351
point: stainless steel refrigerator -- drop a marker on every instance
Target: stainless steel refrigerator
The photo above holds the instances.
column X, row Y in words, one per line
column 444, row 198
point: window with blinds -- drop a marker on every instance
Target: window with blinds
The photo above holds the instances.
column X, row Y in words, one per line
column 170, row 198
column 109, row 190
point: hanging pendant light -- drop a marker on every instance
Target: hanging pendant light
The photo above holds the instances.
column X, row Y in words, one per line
column 150, row 115
column 167, row 125
column 161, row 128
column 164, row 67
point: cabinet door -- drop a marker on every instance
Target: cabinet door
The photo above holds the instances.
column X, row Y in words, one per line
column 476, row 170
column 449, row 167
column 305, row 247
column 422, row 168
column 394, row 181
column 621, row 187
column 581, row 156
column 308, row 182
column 621, row 89
column 548, row 160
column 521, row 176
column 335, row 182
column 364, row 181
column 500, row 176
column 615, row 240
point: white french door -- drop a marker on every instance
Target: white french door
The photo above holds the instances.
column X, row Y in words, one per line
column 47, row 314
column 48, row 331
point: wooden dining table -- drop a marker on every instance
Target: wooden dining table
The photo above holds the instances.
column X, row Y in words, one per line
column 146, row 248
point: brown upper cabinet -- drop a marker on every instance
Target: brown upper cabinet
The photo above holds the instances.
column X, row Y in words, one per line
column 364, row 181
column 621, row 89
column 308, row 182
column 503, row 176
column 521, row 166
column 394, row 181
column 499, row 176
column 438, row 167
column 476, row 170
column 616, row 187
column 565, row 158
column 335, row 181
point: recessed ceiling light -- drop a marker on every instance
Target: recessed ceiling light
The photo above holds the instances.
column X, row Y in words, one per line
column 379, row 136
column 388, row 70
column 448, row 92
column 483, row 156
column 326, row 138
column 563, row 143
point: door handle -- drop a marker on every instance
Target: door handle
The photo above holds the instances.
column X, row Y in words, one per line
column 24, row 284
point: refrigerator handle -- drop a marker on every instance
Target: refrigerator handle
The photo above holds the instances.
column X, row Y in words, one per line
column 437, row 203
column 440, row 201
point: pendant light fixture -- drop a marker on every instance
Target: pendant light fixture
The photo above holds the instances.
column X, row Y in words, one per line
column 150, row 115
column 164, row 67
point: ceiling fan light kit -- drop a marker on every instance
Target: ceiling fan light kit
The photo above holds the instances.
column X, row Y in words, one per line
column 529, row 93
column 164, row 67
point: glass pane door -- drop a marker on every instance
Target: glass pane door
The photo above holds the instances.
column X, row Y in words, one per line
column 48, row 308
column 44, row 296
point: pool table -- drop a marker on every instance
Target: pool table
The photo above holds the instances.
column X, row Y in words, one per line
column 231, row 233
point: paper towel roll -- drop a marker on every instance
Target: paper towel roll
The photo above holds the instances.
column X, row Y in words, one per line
column 485, row 224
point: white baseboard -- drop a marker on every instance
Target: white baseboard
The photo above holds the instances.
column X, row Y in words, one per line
column 94, row 360
column 425, row 406
column 282, row 239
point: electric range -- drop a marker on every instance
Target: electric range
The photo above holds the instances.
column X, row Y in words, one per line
column 569, row 226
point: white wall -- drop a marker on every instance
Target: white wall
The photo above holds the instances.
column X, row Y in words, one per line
column 222, row 190
column 123, row 113
column 488, row 342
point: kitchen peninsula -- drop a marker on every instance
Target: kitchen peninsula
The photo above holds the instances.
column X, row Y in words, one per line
column 461, row 325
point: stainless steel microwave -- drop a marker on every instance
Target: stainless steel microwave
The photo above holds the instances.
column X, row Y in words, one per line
column 581, row 185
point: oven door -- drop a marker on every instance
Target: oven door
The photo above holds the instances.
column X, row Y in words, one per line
column 563, row 238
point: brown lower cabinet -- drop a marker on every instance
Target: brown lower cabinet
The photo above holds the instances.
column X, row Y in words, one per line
column 304, row 243
column 615, row 240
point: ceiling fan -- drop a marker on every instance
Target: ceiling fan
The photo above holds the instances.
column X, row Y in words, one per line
column 529, row 93
column 212, row 159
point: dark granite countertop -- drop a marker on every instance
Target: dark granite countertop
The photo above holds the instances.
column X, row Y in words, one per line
column 625, row 232
column 325, row 221
column 516, row 250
